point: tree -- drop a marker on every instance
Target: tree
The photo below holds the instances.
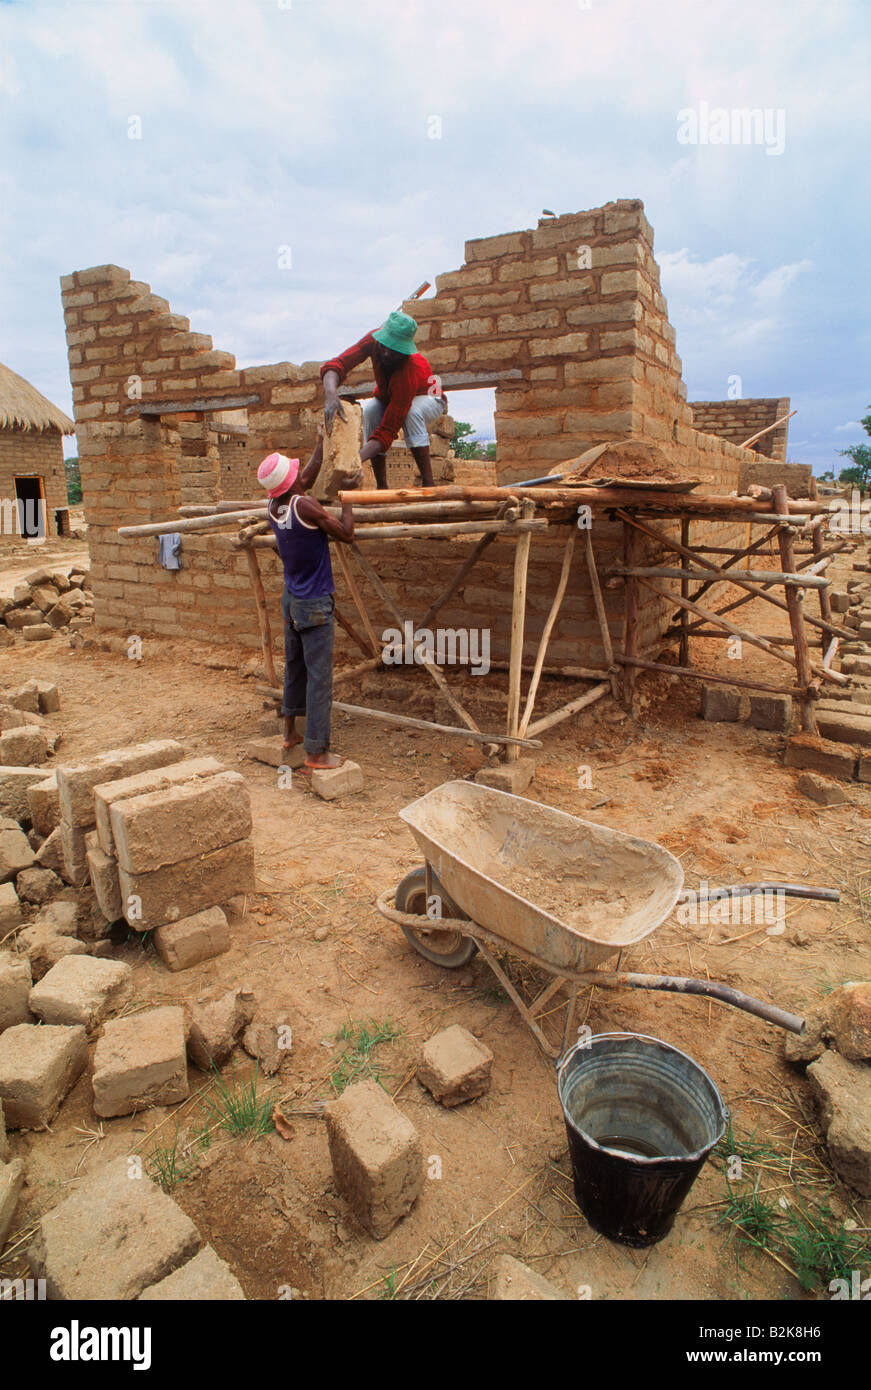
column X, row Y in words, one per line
column 465, row 448
column 860, row 473
column 461, row 445
column 74, row 481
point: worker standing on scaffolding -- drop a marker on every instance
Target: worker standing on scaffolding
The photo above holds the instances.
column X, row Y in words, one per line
column 408, row 395
column 303, row 530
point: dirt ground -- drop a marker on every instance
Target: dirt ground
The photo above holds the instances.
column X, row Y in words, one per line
column 310, row 942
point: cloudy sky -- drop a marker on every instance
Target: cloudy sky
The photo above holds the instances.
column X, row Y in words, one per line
column 308, row 124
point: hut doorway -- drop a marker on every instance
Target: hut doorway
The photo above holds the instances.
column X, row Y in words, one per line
column 30, row 499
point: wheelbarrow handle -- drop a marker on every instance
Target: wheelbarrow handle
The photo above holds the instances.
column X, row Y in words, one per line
column 744, row 890
column 712, row 989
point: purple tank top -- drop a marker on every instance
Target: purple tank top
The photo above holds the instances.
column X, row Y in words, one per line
column 305, row 553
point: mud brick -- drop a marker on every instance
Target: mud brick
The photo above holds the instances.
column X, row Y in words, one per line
column 14, row 782
column 840, row 602
column 376, row 1156
column 15, row 853
column 103, row 873
column 842, row 1092
column 454, row 1066
column 865, row 768
column 515, row 1282
column 38, row 1066
column 76, row 781
column 771, row 712
column 107, row 793
column 50, row 854
column 721, row 704
column 44, row 805
column 818, row 755
column 856, row 665
column 140, row 1061
column 841, row 726
column 178, row 890
column 38, row 632
column 4, row 1143
column 25, row 747
column 48, row 939
column 11, row 1183
column 15, row 987
column 48, row 696
column 821, row 790
column 195, row 818
column 10, row 909
column 272, row 752
column 215, row 1026
column 26, row 697
column 332, row 782
column 513, row 777
column 193, row 939
column 205, row 1278
column 80, row 989
column 115, row 1236
column 75, row 854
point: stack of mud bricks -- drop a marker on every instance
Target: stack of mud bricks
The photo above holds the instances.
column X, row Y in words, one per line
column 164, row 840
column 573, row 305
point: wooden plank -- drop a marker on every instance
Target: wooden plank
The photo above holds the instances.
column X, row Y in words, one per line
column 450, row 381
column 200, row 404
column 566, row 711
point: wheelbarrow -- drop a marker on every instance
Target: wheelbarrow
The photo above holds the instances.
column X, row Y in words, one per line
column 505, row 874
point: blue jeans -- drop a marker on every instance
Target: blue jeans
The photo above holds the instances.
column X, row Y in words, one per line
column 308, row 665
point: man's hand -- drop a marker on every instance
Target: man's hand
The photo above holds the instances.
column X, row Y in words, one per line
column 332, row 407
column 353, row 480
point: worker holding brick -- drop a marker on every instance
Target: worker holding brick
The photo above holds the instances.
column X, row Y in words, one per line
column 408, row 395
column 303, row 530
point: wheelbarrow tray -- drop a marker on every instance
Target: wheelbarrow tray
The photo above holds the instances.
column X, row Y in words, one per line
column 565, row 891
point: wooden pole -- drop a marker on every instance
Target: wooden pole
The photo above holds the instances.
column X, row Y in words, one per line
column 796, row 621
column 801, row 581
column 712, row 618
column 518, row 621
column 708, row 676
column 623, row 496
column 548, row 628
column 601, row 614
column 360, row 606
column 565, row 711
column 768, row 428
column 406, row 721
column 684, row 658
column 352, row 632
column 434, row 530
column 631, row 549
column 465, row 567
column 262, row 615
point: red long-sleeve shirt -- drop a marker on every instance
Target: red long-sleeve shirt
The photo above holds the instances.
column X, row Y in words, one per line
column 397, row 391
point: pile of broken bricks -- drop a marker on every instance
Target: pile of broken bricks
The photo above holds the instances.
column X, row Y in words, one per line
column 47, row 1032
column 46, row 603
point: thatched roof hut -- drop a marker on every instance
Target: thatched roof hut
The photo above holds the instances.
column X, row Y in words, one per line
column 22, row 407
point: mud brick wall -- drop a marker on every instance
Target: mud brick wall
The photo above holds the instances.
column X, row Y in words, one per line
column 574, row 304
column 29, row 453
column 796, row 477
column 740, row 420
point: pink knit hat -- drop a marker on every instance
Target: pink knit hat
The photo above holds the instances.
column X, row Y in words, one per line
column 277, row 473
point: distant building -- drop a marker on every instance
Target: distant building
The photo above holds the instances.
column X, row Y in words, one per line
column 33, row 489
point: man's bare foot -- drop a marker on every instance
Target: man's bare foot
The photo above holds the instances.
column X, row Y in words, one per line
column 291, row 737
column 321, row 760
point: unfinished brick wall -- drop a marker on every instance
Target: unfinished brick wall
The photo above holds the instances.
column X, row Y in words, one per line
column 29, row 454
column 740, row 420
column 796, row 477
column 573, row 304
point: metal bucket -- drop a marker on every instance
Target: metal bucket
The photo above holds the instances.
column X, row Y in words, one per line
column 641, row 1118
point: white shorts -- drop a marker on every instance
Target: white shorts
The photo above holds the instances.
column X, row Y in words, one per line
column 424, row 411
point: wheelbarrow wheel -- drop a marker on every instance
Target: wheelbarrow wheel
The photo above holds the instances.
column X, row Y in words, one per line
column 448, row 948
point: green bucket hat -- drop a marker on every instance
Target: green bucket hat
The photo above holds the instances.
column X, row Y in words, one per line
column 397, row 333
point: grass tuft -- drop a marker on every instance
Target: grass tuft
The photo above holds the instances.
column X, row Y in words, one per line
column 358, row 1061
column 238, row 1108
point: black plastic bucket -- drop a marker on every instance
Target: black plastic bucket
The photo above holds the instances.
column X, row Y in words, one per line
column 641, row 1119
